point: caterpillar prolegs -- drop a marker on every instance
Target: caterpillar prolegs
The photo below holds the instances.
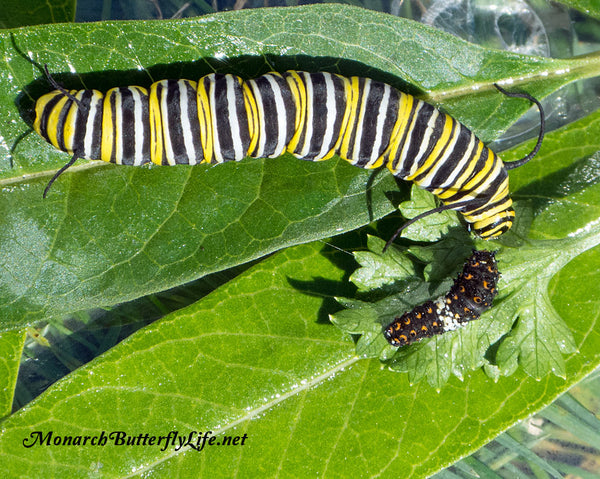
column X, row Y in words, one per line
column 313, row 116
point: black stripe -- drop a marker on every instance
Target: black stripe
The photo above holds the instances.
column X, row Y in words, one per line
column 242, row 116
column 45, row 114
column 96, row 146
column 341, row 99
column 506, row 223
column 446, row 168
column 405, row 135
column 391, row 116
column 145, row 127
column 418, row 134
column 319, row 115
column 194, row 122
column 221, row 114
column 440, row 124
column 127, row 126
column 457, row 154
column 354, row 126
column 81, row 122
column 369, row 125
column 175, row 129
column 60, row 129
column 270, row 117
column 462, row 192
column 113, row 109
column 290, row 108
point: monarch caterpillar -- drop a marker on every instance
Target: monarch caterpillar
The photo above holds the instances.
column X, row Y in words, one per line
column 314, row 116
column 471, row 294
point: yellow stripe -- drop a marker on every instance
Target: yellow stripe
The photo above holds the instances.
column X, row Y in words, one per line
column 299, row 93
column 482, row 214
column 498, row 231
column 52, row 124
column 69, row 127
column 40, row 106
column 345, row 118
column 458, row 182
column 107, row 127
column 483, row 174
column 252, row 112
column 404, row 107
column 435, row 154
column 503, row 216
column 156, row 140
column 165, row 135
column 205, row 120
column 352, row 110
column 502, row 190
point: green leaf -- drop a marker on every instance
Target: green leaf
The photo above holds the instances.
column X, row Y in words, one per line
column 589, row 7
column 34, row 12
column 108, row 234
column 257, row 357
column 540, row 337
column 378, row 269
column 430, row 228
column 11, row 350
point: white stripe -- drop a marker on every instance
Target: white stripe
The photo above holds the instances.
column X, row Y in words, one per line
column 426, row 182
column 70, row 142
column 164, row 116
column 383, row 106
column 403, row 159
column 89, row 125
column 233, row 120
column 218, row 156
column 330, row 117
column 118, row 122
column 359, row 127
column 477, row 192
column 186, row 127
column 281, row 117
column 424, row 142
column 262, row 137
column 458, row 167
column 138, row 127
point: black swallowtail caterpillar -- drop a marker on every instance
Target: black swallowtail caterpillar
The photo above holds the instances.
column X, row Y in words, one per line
column 314, row 116
column 471, row 294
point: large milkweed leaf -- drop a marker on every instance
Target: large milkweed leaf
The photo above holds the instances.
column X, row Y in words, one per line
column 107, row 234
column 11, row 349
column 290, row 384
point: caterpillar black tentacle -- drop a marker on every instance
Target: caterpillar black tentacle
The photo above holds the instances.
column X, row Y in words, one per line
column 314, row 116
column 515, row 164
column 471, row 294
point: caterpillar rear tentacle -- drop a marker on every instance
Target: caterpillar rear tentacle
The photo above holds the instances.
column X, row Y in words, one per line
column 313, row 116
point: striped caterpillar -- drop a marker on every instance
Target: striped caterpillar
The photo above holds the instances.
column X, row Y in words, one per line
column 313, row 116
